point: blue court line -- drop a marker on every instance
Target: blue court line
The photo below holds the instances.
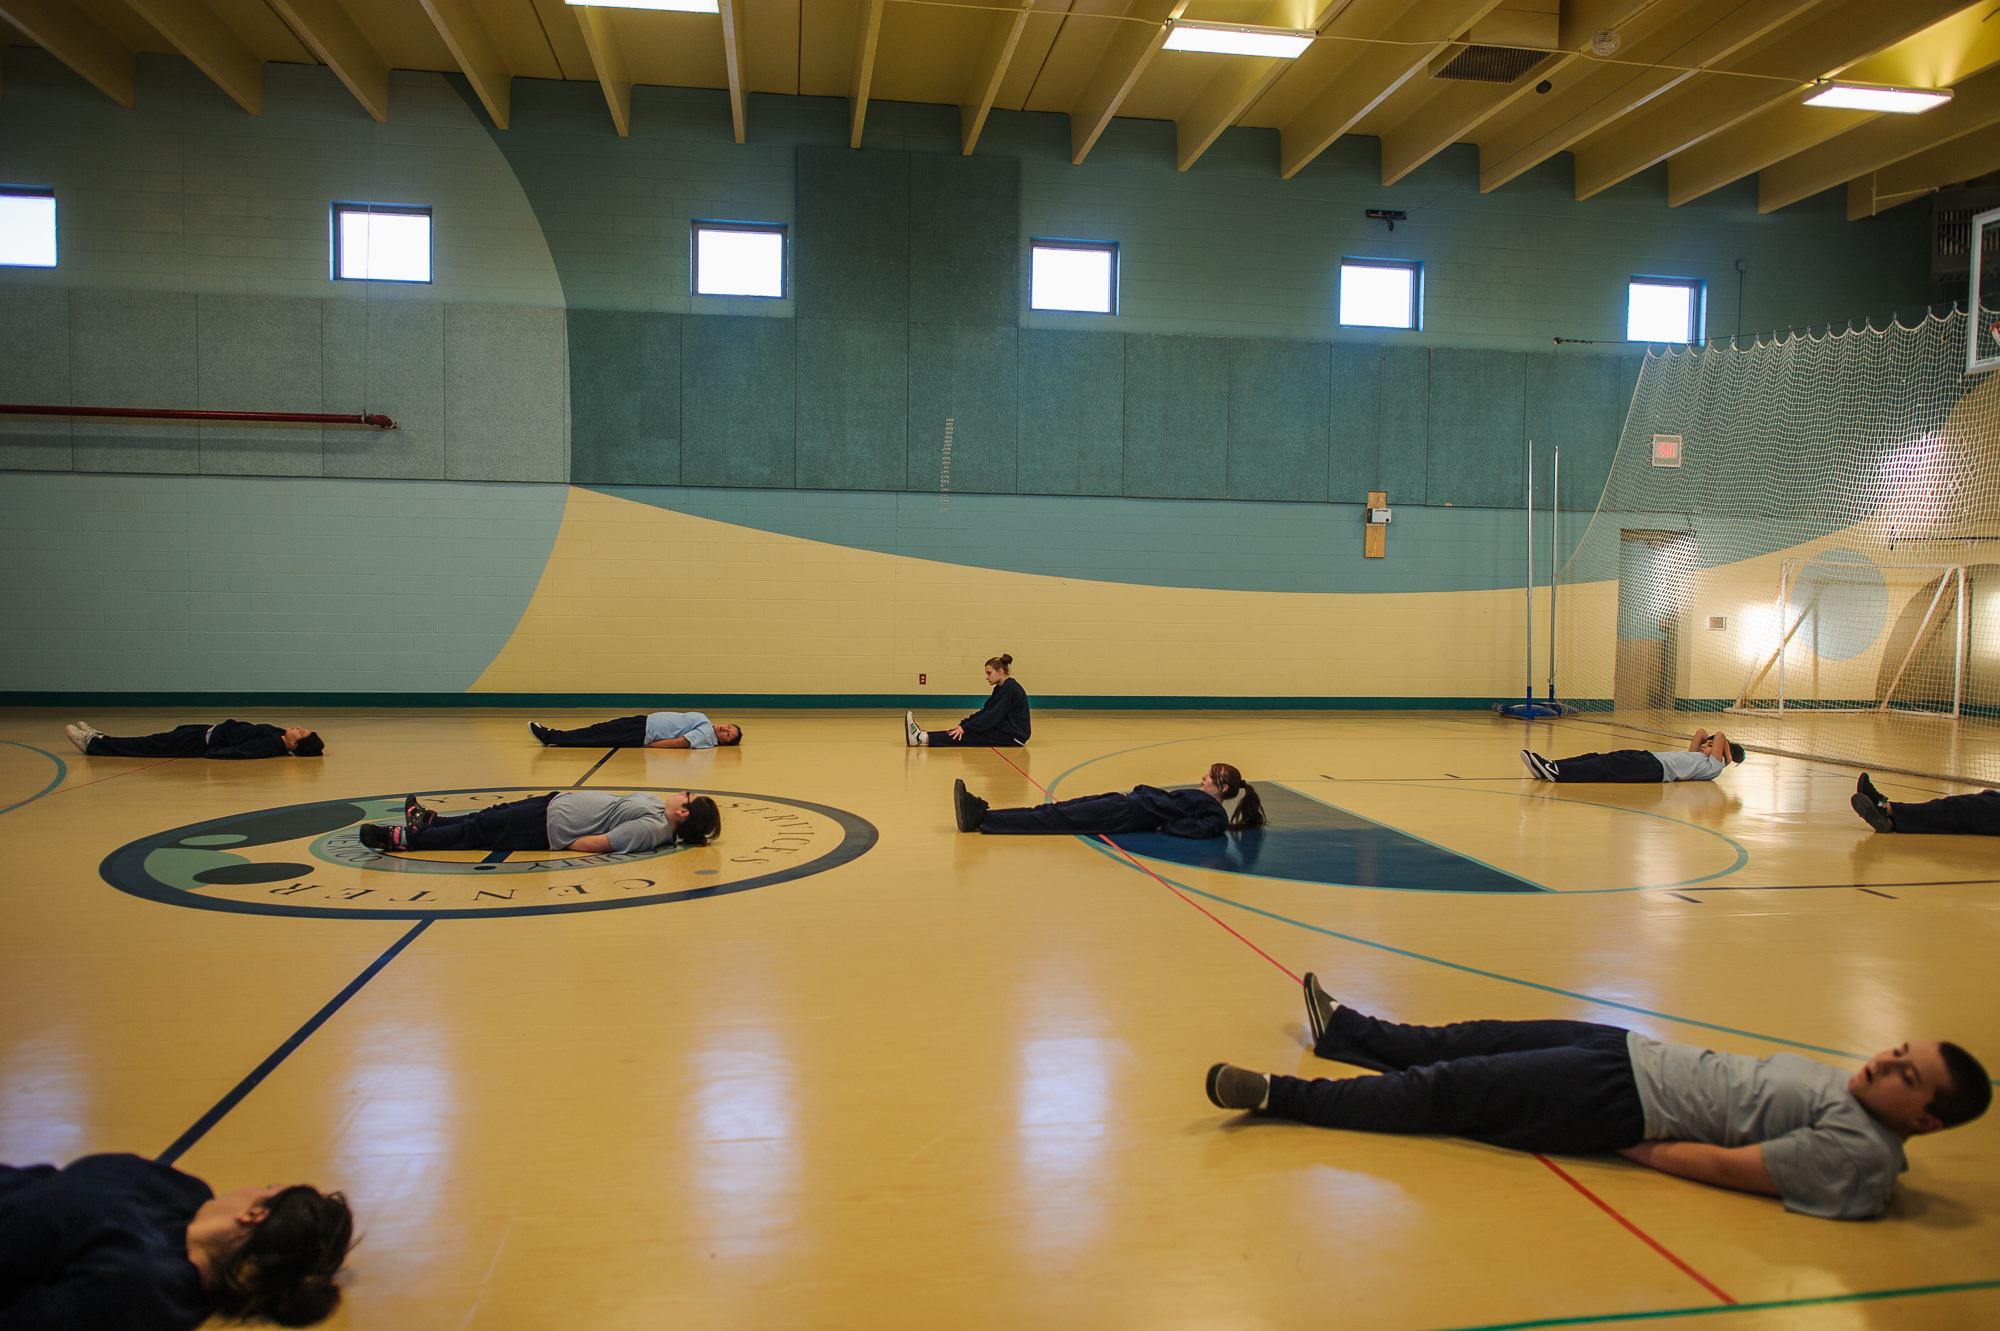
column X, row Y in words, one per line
column 62, row 772
column 1713, row 1309
column 284, row 1051
column 1484, row 974
column 1742, row 853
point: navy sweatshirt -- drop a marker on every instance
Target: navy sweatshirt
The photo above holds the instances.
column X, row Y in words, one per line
column 99, row 1246
column 1194, row 814
column 246, row 739
column 1004, row 717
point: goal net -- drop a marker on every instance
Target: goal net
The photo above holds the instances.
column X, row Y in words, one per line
column 1802, row 536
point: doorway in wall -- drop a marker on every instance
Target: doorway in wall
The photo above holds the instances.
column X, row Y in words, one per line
column 1654, row 569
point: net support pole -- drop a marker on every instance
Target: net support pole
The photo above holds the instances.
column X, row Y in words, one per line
column 1555, row 551
column 1528, row 675
column 1916, row 642
column 1958, row 651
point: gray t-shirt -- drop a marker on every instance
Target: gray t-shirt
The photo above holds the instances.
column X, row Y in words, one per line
column 690, row 726
column 1828, row 1155
column 1687, row 765
column 635, row 823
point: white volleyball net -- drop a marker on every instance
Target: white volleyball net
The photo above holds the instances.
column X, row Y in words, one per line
column 1802, row 537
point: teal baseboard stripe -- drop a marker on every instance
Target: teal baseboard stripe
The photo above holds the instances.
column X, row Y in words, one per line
column 268, row 704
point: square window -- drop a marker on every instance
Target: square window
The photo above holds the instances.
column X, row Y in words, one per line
column 739, row 259
column 27, row 227
column 1078, row 275
column 1381, row 293
column 381, row 242
column 1663, row 309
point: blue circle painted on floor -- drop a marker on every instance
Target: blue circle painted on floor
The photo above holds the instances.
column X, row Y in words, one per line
column 308, row 860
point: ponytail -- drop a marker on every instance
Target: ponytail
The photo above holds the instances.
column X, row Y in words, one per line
column 701, row 824
column 1250, row 808
column 284, row 1272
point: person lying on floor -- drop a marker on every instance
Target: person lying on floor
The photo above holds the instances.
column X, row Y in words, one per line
column 1197, row 814
column 1002, row 721
column 1829, row 1143
column 657, row 730
column 589, row 822
column 226, row 739
column 1977, row 814
column 1704, row 759
column 122, row 1243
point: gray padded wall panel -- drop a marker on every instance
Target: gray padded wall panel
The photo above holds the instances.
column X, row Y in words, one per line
column 34, row 371
column 133, row 349
column 738, row 401
column 1072, row 412
column 1176, row 416
column 853, row 388
column 625, row 397
column 385, row 358
column 506, row 393
column 259, row 353
column 1354, row 422
column 1405, row 428
column 968, row 376
column 965, row 239
column 1278, row 397
column 851, row 257
column 1477, row 444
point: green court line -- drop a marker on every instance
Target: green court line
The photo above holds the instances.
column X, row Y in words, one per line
column 62, row 771
column 1474, row 970
column 1715, row 1309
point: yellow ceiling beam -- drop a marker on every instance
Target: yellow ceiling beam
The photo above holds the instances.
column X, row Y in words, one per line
column 1131, row 49
column 1650, row 63
column 1455, row 112
column 71, row 36
column 1824, row 41
column 336, row 42
column 210, row 45
column 1936, row 56
column 1236, row 86
column 1881, row 142
column 607, row 57
column 1003, row 38
column 1386, row 56
column 867, row 36
column 473, row 47
column 735, row 63
column 1963, row 158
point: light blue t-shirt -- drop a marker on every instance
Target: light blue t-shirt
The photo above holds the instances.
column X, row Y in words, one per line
column 690, row 726
column 1685, row 765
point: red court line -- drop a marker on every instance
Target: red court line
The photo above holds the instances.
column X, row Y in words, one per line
column 113, row 777
column 1643, row 1236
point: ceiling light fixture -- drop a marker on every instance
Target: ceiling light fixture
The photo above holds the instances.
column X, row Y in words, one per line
column 680, row 6
column 1238, row 39
column 1862, row 97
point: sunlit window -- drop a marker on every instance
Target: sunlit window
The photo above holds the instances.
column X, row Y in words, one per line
column 1381, row 293
column 739, row 259
column 27, row 227
column 381, row 242
column 1663, row 309
column 1075, row 275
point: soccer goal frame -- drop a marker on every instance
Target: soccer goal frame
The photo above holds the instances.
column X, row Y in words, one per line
column 1783, row 605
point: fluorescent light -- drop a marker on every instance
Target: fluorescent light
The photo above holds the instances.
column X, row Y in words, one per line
column 1857, row 97
column 682, row 6
column 1238, row 39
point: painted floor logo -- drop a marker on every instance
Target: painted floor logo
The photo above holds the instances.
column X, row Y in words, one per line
column 308, row 860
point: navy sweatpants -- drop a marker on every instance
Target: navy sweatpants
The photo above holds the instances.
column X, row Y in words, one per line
column 1618, row 765
column 1973, row 815
column 941, row 739
column 180, row 742
column 515, row 825
column 626, row 732
column 1558, row 1086
column 1090, row 813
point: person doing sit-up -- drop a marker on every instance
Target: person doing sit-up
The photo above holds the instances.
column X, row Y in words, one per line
column 656, row 730
column 1828, row 1142
column 1704, row 759
column 1196, row 813
column 589, row 822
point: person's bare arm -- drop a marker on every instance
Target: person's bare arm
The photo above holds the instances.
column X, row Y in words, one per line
column 1740, row 1167
column 590, row 845
column 670, row 744
column 1700, row 738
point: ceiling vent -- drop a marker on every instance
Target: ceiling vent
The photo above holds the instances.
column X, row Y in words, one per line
column 1488, row 64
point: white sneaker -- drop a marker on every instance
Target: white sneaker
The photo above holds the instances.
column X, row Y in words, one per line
column 912, row 732
column 79, row 735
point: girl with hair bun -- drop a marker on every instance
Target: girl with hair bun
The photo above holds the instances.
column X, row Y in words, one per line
column 122, row 1243
column 1002, row 721
column 1198, row 814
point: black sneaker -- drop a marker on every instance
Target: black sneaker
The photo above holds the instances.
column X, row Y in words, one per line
column 1231, row 1087
column 1539, row 767
column 1874, row 813
column 1866, row 787
column 1319, row 1008
column 968, row 807
column 415, row 816
column 540, row 732
column 379, row 837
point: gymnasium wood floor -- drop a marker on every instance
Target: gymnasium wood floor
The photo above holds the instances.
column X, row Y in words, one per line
column 956, row 1081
